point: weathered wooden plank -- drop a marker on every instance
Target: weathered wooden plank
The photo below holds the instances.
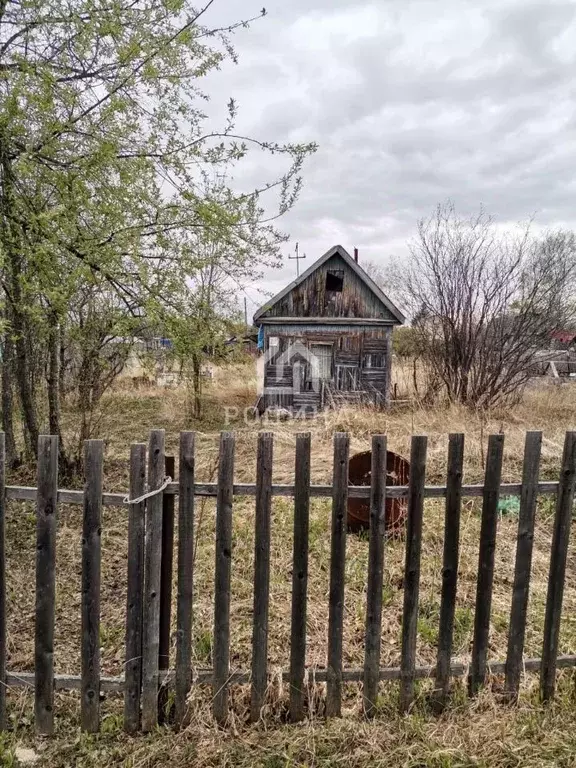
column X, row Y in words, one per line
column 223, row 565
column 46, row 520
column 3, row 722
column 545, row 488
column 337, row 572
column 261, row 573
column 135, row 589
column 366, row 321
column 525, row 539
column 412, row 568
column 299, row 576
column 375, row 574
column 166, row 563
column 450, row 562
column 488, row 529
column 185, row 575
column 91, row 552
column 152, row 577
column 388, row 364
column 557, row 573
column 16, row 679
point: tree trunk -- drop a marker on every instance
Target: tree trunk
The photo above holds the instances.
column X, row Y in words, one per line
column 8, row 401
column 53, row 383
column 62, row 369
column 14, row 279
column 84, row 379
column 24, row 382
column 197, row 381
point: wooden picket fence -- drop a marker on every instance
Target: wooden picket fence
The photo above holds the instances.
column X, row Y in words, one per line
column 151, row 525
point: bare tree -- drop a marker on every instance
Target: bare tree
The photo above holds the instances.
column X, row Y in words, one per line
column 390, row 277
column 484, row 301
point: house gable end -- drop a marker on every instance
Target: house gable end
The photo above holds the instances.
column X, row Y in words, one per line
column 333, row 287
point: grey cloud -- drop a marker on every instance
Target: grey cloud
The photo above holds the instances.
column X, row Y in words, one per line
column 410, row 102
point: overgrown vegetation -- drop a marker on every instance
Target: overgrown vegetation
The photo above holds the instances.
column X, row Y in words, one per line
column 121, row 219
column 471, row 733
column 482, row 301
column 114, row 184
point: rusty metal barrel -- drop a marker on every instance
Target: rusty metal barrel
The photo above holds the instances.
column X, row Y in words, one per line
column 359, row 473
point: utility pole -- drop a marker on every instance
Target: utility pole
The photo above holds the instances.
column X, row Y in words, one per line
column 297, row 257
column 245, row 313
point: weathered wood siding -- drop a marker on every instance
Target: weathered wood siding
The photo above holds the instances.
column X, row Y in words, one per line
column 312, row 299
column 351, row 344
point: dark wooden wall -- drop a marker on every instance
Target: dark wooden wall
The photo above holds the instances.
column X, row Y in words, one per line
column 350, row 345
column 311, row 299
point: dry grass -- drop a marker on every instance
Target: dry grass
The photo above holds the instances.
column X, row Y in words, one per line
column 470, row 733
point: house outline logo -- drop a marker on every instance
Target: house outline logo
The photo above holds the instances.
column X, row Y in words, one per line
column 303, row 354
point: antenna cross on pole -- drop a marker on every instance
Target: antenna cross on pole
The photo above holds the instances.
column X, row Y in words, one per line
column 298, row 259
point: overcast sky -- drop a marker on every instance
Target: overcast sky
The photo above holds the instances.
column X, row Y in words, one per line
column 411, row 102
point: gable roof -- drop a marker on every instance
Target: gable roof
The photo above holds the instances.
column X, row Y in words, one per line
column 354, row 266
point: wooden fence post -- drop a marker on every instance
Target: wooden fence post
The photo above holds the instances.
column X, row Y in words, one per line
column 91, row 550
column 185, row 574
column 337, row 574
column 135, row 590
column 46, row 521
column 412, row 568
column 261, row 573
column 525, row 540
column 223, row 569
column 299, row 576
column 375, row 574
column 2, row 583
column 152, row 570
column 166, row 563
column 557, row 574
column 488, row 530
column 449, row 563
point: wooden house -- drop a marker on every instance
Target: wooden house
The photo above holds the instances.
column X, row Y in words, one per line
column 327, row 337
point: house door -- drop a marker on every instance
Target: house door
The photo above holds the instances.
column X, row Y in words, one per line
column 323, row 355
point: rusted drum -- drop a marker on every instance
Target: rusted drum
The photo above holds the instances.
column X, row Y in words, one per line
column 359, row 473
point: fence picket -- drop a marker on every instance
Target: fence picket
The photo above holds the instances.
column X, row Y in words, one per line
column 375, row 574
column 152, row 582
column 221, row 653
column 91, row 551
column 46, row 521
column 412, row 568
column 149, row 574
column 337, row 569
column 166, row 563
column 557, row 573
column 261, row 573
column 449, row 563
column 488, row 529
column 525, row 540
column 2, row 583
column 299, row 576
column 185, row 574
column 135, row 590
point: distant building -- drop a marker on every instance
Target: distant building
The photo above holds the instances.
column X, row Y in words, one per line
column 563, row 340
column 327, row 337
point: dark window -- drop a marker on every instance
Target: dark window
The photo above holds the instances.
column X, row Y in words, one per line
column 374, row 360
column 335, row 280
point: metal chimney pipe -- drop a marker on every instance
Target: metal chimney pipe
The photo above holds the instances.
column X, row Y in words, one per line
column 356, row 255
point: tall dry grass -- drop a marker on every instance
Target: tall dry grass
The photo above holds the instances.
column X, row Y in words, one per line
column 128, row 416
